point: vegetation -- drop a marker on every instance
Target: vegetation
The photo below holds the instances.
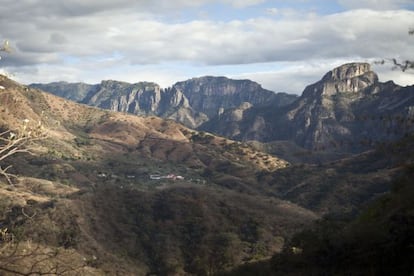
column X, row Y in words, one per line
column 87, row 192
column 378, row 241
column 12, row 143
column 84, row 202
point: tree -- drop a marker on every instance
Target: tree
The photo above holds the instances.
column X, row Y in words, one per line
column 401, row 65
column 29, row 258
column 13, row 142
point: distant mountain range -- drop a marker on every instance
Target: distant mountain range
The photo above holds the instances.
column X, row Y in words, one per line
column 192, row 102
column 347, row 111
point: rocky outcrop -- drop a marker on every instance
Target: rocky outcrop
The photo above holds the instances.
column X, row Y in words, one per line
column 139, row 98
column 348, row 78
column 212, row 95
column 343, row 111
column 323, row 113
column 191, row 102
column 348, row 110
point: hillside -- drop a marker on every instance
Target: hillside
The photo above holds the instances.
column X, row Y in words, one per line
column 376, row 242
column 129, row 195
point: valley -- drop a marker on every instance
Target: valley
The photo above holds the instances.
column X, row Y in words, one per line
column 211, row 176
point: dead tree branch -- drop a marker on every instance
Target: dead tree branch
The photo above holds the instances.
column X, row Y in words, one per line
column 12, row 143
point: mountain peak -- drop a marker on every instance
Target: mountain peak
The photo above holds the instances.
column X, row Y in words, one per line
column 348, row 71
column 347, row 78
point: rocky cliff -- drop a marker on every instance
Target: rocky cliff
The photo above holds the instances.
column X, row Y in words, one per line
column 191, row 102
column 347, row 110
column 214, row 95
column 325, row 114
column 138, row 98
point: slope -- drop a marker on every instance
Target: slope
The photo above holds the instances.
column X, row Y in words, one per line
column 110, row 189
column 377, row 242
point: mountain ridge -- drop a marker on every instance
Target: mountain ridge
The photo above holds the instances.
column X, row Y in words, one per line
column 185, row 101
column 93, row 183
column 331, row 115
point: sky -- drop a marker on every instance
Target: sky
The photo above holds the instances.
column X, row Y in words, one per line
column 282, row 45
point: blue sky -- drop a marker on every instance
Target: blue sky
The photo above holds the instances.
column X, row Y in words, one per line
column 283, row 45
column 276, row 9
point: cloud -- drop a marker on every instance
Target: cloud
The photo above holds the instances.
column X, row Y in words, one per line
column 243, row 3
column 88, row 38
column 374, row 4
column 360, row 33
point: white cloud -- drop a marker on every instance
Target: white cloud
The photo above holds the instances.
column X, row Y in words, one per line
column 361, row 33
column 74, row 39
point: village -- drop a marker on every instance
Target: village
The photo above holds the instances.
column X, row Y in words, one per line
column 170, row 176
column 154, row 180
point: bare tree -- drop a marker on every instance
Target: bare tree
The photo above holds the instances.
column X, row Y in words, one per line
column 26, row 258
column 22, row 256
column 13, row 142
column 403, row 65
column 19, row 257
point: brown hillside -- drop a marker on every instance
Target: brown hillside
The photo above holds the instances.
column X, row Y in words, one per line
column 86, row 191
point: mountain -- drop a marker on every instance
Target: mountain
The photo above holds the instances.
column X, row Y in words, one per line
column 213, row 95
column 104, row 192
column 190, row 102
column 72, row 91
column 348, row 110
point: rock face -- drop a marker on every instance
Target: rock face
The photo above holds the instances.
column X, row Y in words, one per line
column 348, row 110
column 212, row 95
column 348, row 78
column 191, row 102
column 139, row 98
column 325, row 113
